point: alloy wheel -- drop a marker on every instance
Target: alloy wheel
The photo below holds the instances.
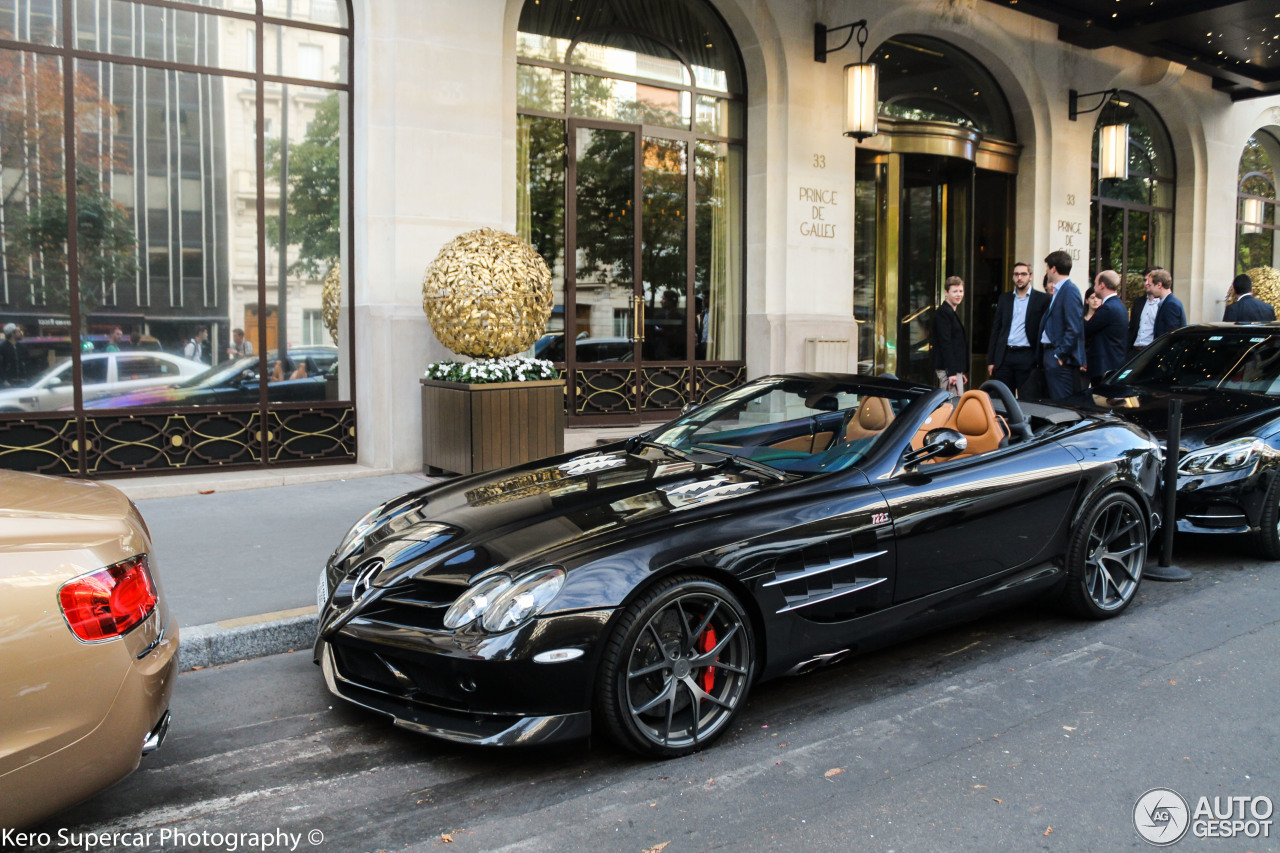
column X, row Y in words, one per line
column 1117, row 551
column 687, row 670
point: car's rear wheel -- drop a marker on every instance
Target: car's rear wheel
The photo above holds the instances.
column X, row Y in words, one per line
column 676, row 668
column 1105, row 557
column 1267, row 540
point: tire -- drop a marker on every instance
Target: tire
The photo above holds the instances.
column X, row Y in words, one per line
column 1266, row 542
column 676, row 668
column 1105, row 557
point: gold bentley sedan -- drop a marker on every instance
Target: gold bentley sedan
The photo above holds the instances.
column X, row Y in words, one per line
column 88, row 648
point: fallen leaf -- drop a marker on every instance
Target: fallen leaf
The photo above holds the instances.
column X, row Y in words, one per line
column 1069, row 728
column 1048, row 829
column 979, row 786
column 446, row 838
column 657, row 848
column 998, row 800
column 1174, row 683
column 834, row 771
column 207, row 491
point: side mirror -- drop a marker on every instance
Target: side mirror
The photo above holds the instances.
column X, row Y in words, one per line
column 940, row 443
column 687, row 408
column 248, row 376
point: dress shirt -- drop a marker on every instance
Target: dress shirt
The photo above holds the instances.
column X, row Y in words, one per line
column 1147, row 324
column 1018, row 327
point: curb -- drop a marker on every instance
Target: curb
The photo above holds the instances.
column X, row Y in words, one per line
column 233, row 640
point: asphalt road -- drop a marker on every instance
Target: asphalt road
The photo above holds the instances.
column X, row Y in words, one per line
column 1025, row 732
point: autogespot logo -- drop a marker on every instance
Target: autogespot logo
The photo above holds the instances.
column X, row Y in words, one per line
column 1161, row 817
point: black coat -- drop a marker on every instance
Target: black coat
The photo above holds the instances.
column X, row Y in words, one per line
column 950, row 345
column 1104, row 337
column 1251, row 309
column 1004, row 320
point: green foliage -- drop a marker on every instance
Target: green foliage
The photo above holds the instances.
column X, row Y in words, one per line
column 314, row 193
column 106, row 242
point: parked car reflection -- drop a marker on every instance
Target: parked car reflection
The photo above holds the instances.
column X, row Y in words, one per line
column 104, row 374
column 233, row 382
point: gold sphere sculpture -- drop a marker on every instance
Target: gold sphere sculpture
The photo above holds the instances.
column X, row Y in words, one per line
column 331, row 301
column 1266, row 285
column 487, row 294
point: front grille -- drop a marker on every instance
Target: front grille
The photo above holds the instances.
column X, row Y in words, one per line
column 414, row 603
column 397, row 675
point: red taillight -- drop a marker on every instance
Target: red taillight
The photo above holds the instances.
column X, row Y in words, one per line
column 110, row 601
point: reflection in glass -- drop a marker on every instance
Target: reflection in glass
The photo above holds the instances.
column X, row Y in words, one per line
column 623, row 100
column 605, row 252
column 1256, row 243
column 664, row 248
column 718, row 256
column 539, row 88
column 540, row 161
column 719, row 116
column 631, row 55
column 35, row 21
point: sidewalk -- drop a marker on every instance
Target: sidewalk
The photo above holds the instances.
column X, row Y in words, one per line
column 239, row 553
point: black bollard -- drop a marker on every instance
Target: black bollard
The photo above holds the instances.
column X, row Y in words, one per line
column 1165, row 570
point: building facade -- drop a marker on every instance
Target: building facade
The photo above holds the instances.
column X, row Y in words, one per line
column 680, row 164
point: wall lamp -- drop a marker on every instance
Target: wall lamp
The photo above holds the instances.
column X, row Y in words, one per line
column 861, row 79
column 1113, row 137
column 1252, row 216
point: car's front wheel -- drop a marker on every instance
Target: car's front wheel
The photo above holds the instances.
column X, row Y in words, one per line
column 1267, row 540
column 676, row 668
column 1105, row 557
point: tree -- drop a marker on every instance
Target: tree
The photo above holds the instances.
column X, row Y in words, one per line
column 315, row 193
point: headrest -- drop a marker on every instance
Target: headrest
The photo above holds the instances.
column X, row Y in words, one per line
column 974, row 414
column 874, row 413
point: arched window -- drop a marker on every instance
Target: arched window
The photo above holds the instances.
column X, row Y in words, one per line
column 1131, row 221
column 631, row 172
column 1256, row 222
column 192, row 318
column 927, row 79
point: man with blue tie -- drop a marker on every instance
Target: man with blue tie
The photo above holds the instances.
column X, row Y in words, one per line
column 1246, row 307
column 1062, row 332
column 1104, row 332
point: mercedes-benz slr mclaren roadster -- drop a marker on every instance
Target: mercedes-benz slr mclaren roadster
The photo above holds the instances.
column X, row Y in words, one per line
column 642, row 588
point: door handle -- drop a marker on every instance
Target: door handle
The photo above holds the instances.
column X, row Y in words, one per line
column 639, row 316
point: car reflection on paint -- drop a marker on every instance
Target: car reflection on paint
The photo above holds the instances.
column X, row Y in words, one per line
column 643, row 587
column 104, row 374
column 1227, row 376
column 231, row 382
column 88, row 646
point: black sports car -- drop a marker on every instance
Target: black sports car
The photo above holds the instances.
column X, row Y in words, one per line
column 1228, row 378
column 645, row 586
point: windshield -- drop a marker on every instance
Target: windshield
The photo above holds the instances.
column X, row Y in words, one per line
column 1230, row 362
column 793, row 425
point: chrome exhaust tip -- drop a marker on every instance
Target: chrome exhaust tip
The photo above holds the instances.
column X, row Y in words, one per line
column 156, row 737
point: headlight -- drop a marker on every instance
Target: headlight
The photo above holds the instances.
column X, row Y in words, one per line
column 523, row 600
column 1232, row 456
column 501, row 604
column 474, row 602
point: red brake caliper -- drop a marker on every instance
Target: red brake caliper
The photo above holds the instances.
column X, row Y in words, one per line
column 705, row 644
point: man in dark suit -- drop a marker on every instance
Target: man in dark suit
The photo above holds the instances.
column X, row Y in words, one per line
column 1011, row 353
column 1246, row 307
column 1062, row 331
column 1160, row 312
column 1105, row 331
column 949, row 344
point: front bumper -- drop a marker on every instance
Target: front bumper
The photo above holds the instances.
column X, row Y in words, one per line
column 1227, row 502
column 466, row 685
column 453, row 725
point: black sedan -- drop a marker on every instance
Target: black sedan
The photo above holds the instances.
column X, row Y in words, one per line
column 1227, row 376
column 643, row 587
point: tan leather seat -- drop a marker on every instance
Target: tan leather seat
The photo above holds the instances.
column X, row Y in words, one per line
column 976, row 420
column 870, row 419
column 935, row 420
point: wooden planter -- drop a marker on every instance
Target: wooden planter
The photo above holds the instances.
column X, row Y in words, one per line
column 471, row 428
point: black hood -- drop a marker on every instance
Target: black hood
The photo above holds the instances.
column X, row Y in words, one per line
column 1209, row 415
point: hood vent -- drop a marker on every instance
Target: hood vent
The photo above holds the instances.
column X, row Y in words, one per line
column 581, row 465
column 706, row 491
